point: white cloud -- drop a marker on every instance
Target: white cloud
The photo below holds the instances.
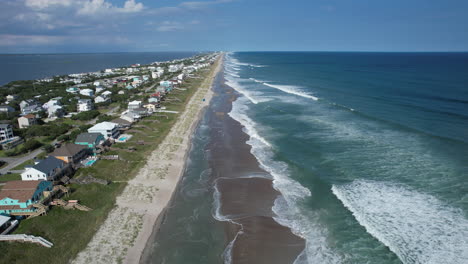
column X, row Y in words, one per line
column 43, row 4
column 11, row 40
column 131, row 6
column 167, row 26
column 102, row 7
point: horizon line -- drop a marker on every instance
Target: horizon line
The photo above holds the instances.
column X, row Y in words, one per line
column 184, row 51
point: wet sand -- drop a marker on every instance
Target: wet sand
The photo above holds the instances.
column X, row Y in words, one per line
column 246, row 192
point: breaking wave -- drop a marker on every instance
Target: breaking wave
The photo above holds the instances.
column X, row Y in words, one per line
column 417, row 227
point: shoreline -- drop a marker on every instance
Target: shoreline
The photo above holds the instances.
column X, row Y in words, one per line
column 140, row 208
column 245, row 193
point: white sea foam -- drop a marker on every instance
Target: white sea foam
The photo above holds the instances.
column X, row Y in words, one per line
column 286, row 206
column 251, row 95
column 291, row 89
column 227, row 254
column 235, row 61
column 417, row 227
column 257, row 81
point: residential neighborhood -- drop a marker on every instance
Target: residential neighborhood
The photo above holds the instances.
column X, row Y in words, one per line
column 79, row 121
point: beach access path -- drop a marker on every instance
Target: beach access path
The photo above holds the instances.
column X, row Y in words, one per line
column 125, row 232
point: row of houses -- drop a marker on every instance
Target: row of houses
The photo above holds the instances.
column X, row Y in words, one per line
column 37, row 180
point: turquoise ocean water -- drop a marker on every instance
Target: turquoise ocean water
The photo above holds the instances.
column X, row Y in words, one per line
column 379, row 139
column 370, row 152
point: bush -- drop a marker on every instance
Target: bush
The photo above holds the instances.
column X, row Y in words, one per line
column 85, row 116
column 28, row 146
column 63, row 138
column 48, row 148
column 50, row 131
column 103, row 118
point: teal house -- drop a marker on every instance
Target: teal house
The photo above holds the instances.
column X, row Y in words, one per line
column 17, row 197
column 165, row 84
column 129, row 87
column 91, row 140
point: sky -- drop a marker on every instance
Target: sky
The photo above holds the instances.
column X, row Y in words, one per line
column 63, row 26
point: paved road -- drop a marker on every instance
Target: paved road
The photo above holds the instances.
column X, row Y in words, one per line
column 13, row 162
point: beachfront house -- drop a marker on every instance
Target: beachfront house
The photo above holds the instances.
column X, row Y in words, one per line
column 90, row 140
column 47, row 169
column 84, row 105
column 27, row 121
column 18, row 197
column 107, row 129
column 6, row 132
column 70, row 153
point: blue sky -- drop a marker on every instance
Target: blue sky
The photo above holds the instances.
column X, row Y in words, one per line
column 49, row 26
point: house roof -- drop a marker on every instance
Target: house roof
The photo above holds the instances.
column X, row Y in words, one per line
column 121, row 121
column 28, row 116
column 19, row 190
column 88, row 137
column 48, row 164
column 68, row 150
column 103, row 126
column 4, row 219
column 5, row 125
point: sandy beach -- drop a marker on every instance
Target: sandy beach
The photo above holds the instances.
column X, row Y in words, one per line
column 246, row 193
column 124, row 234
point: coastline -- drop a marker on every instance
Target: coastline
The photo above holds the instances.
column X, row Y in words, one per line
column 141, row 206
column 245, row 193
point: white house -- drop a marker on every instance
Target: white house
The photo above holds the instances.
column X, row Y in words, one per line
column 96, row 83
column 47, row 169
column 104, row 97
column 99, row 89
column 87, row 92
column 6, row 132
column 11, row 97
column 27, row 120
column 134, row 105
column 84, row 105
column 55, row 111
column 107, row 129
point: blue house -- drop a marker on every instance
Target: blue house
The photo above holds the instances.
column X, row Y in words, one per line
column 18, row 197
column 129, row 87
column 91, row 140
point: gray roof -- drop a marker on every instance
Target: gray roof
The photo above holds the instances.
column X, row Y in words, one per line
column 5, row 125
column 48, row 164
column 88, row 137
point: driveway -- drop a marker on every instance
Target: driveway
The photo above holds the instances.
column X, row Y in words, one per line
column 13, row 162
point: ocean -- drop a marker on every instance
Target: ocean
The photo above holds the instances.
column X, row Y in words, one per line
column 367, row 151
column 35, row 66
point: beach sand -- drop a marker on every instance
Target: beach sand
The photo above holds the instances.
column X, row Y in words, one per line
column 246, row 192
column 124, row 234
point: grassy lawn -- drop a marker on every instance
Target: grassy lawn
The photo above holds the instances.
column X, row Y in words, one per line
column 71, row 230
column 10, row 177
column 21, row 166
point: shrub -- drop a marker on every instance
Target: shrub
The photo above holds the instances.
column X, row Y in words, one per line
column 85, row 116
